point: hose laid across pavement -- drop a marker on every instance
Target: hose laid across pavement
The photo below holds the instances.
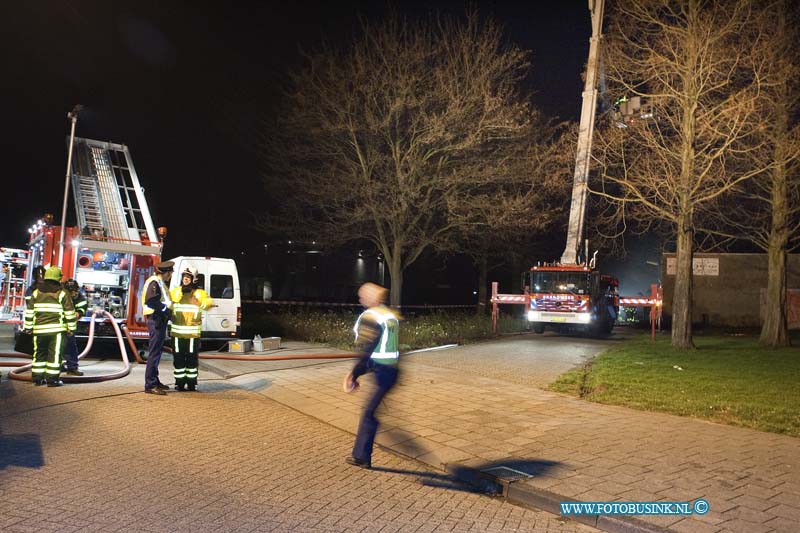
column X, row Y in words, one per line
column 16, row 373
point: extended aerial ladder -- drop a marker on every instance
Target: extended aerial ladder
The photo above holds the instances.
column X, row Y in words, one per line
column 580, row 189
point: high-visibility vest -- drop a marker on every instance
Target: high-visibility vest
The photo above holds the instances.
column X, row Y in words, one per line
column 49, row 313
column 386, row 350
column 165, row 299
column 189, row 309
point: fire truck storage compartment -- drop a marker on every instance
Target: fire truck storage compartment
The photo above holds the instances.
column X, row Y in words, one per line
column 105, row 278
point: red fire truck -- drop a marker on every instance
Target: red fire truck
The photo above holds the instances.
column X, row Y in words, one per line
column 114, row 247
column 569, row 297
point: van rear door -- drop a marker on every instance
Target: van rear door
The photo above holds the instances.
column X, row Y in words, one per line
column 222, row 284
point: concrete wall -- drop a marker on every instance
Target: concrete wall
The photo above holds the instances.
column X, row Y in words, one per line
column 729, row 288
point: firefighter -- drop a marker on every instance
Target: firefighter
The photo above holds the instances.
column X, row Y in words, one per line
column 49, row 315
column 189, row 306
column 377, row 331
column 70, row 366
column 157, row 308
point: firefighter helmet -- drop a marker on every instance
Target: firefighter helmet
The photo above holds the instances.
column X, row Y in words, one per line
column 191, row 272
column 53, row 273
column 71, row 285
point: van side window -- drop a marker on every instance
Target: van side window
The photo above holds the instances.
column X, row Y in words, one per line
column 221, row 286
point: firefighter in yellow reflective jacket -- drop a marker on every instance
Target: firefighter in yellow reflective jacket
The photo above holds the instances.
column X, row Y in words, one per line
column 188, row 307
column 49, row 315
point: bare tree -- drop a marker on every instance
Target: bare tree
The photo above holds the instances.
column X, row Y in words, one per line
column 772, row 198
column 378, row 141
column 691, row 61
column 528, row 195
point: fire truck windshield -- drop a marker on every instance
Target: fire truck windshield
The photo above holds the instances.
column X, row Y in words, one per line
column 560, row 282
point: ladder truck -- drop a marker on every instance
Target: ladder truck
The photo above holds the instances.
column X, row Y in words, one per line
column 570, row 294
column 115, row 246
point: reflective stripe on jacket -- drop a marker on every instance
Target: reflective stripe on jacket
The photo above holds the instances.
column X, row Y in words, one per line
column 386, row 350
column 188, row 311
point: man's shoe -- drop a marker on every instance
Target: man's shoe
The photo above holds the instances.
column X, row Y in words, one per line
column 74, row 372
column 56, row 383
column 161, row 386
column 191, row 388
column 38, row 382
column 180, row 388
column 156, row 391
column 358, row 462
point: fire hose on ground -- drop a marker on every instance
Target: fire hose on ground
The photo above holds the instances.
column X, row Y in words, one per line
column 19, row 370
column 17, row 373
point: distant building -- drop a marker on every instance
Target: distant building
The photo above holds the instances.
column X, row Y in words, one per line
column 730, row 289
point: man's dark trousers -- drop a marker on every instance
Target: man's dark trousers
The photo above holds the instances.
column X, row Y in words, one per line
column 385, row 377
column 71, row 353
column 157, row 327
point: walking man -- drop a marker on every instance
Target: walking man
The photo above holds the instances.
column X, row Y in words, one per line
column 71, row 349
column 157, row 308
column 377, row 330
column 189, row 304
column 49, row 315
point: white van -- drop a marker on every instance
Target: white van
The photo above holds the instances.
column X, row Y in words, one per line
column 220, row 279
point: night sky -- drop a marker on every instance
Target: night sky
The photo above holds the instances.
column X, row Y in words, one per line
column 183, row 83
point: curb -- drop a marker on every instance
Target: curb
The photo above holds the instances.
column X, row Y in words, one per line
column 525, row 495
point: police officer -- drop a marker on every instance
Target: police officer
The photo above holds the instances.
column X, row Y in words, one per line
column 49, row 315
column 189, row 306
column 70, row 366
column 377, row 336
column 157, row 308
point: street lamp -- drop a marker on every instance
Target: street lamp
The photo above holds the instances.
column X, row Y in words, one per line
column 73, row 116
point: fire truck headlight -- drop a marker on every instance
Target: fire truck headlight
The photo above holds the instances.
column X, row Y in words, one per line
column 584, row 318
column 76, row 243
column 533, row 316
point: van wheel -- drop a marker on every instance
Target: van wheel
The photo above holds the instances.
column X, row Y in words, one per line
column 538, row 327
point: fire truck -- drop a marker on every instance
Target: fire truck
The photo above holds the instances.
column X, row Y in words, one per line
column 572, row 294
column 569, row 297
column 114, row 247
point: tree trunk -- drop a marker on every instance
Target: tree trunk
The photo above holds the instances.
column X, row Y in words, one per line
column 483, row 281
column 774, row 330
column 682, row 297
column 396, row 280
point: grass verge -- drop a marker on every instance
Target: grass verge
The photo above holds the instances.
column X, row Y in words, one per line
column 731, row 380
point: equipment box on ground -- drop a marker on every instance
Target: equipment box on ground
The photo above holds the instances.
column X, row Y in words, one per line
column 240, row 346
column 267, row 343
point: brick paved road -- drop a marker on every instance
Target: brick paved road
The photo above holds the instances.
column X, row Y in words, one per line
column 222, row 460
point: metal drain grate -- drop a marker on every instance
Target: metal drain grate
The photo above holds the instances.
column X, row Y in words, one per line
column 506, row 474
